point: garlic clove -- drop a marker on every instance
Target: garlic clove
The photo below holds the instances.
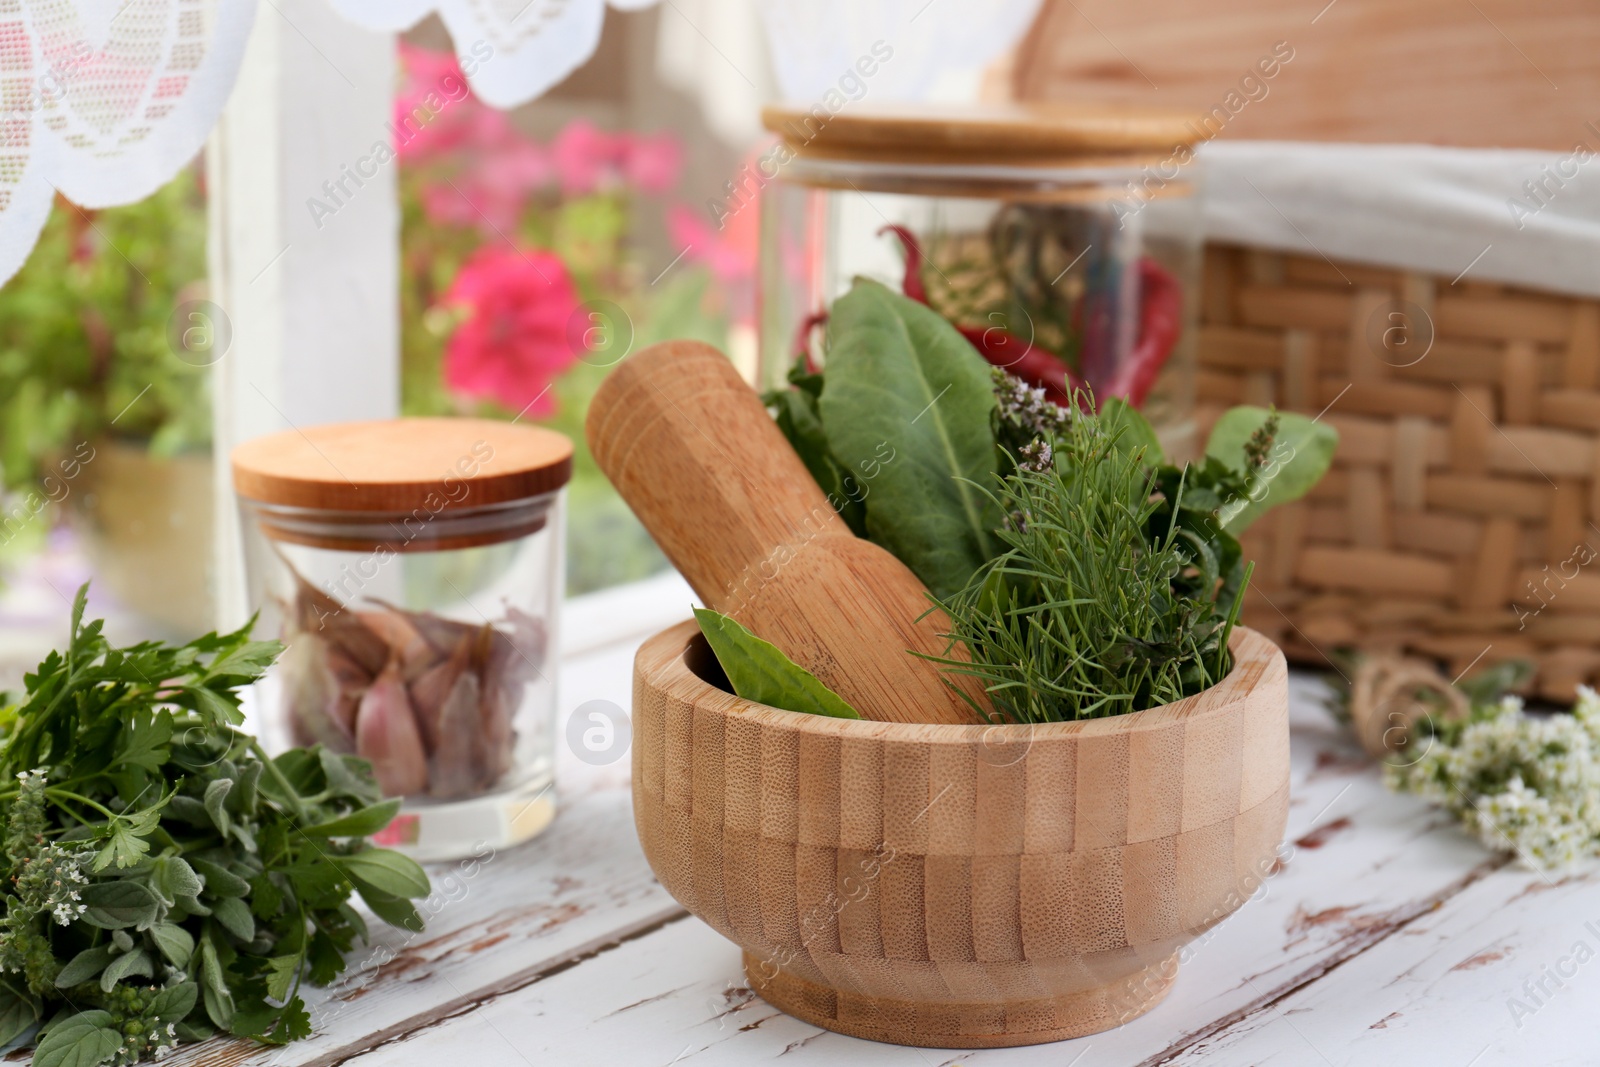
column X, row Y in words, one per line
column 499, row 705
column 439, row 632
column 317, row 612
column 388, row 737
column 432, row 688
column 352, row 679
column 416, row 654
column 456, row 767
column 312, row 694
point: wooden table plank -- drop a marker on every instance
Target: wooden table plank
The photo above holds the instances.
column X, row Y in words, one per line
column 1503, row 972
column 1366, row 872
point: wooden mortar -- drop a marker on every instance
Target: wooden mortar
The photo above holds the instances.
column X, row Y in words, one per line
column 692, row 450
column 959, row 886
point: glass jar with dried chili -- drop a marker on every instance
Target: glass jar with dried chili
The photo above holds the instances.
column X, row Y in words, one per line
column 413, row 570
column 1062, row 241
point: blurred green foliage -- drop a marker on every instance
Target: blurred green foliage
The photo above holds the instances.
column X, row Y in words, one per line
column 84, row 338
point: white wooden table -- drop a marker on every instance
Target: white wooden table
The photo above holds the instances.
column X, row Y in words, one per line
column 1388, row 937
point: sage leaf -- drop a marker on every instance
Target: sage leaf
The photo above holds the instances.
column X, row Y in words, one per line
column 1301, row 453
column 234, row 915
column 362, row 823
column 83, row 1040
column 910, row 400
column 220, row 882
column 216, row 803
column 174, row 879
column 388, row 872
column 759, row 671
column 175, row 943
column 214, row 984
column 17, row 1014
column 84, row 966
column 129, row 963
column 119, row 904
column 189, row 810
column 249, row 788
column 396, row 911
column 345, row 779
column 174, row 1002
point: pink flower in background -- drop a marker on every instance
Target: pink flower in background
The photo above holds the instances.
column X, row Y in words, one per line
column 588, row 158
column 652, row 163
column 491, row 195
column 585, row 156
column 514, row 342
column 729, row 252
column 433, row 111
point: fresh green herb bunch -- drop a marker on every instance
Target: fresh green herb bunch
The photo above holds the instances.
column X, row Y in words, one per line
column 1089, row 574
column 1086, row 614
column 163, row 878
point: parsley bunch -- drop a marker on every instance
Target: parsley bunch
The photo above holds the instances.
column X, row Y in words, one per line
column 163, row 879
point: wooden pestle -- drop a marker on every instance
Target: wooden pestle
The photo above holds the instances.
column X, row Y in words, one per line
column 692, row 450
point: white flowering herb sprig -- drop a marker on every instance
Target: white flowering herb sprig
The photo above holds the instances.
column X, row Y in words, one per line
column 1525, row 784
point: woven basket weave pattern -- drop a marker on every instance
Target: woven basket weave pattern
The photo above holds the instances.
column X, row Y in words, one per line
column 1457, row 520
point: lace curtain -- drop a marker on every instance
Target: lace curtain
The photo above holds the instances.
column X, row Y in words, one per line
column 104, row 100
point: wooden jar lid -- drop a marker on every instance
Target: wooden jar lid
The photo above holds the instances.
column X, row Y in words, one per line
column 1016, row 134
column 400, row 465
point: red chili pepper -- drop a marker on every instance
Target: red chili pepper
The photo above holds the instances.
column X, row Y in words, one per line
column 1160, row 320
column 911, row 281
column 1002, row 348
column 802, row 338
column 1036, row 366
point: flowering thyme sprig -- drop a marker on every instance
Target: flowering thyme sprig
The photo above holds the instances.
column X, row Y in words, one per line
column 1027, row 407
column 1036, row 455
column 1524, row 784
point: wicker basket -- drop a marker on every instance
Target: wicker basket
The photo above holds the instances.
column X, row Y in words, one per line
column 1457, row 521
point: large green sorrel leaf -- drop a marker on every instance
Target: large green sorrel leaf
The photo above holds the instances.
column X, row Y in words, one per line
column 759, row 671
column 901, row 382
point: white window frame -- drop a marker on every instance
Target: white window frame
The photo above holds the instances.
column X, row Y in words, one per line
column 313, row 303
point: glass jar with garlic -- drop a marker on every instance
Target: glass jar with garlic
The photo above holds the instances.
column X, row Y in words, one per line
column 413, row 570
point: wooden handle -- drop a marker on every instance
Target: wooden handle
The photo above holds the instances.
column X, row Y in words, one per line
column 692, row 450
column 694, row 453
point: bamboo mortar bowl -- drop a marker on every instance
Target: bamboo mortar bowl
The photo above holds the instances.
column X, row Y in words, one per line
column 959, row 886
